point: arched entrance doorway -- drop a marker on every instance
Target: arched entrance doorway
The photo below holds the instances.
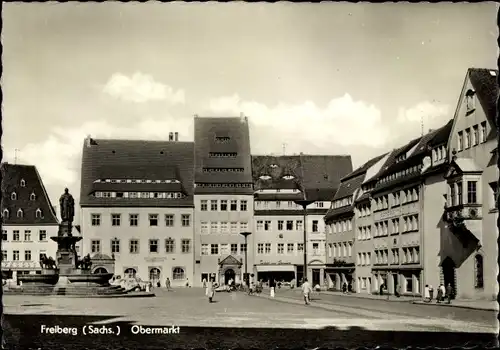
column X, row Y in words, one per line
column 154, row 276
column 130, row 273
column 229, row 275
column 100, row 270
column 448, row 267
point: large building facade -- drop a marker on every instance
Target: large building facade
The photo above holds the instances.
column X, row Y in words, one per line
column 281, row 185
column 28, row 221
column 223, row 198
column 137, row 208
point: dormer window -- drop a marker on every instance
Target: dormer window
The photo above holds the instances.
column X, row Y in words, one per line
column 5, row 213
column 288, row 177
column 20, row 213
column 273, row 166
column 32, row 197
column 23, row 183
column 470, row 100
column 265, row 177
column 38, row 213
column 13, row 196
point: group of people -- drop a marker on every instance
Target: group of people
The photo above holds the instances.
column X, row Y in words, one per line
column 442, row 293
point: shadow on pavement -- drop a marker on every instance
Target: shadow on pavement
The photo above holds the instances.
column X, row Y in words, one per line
column 23, row 332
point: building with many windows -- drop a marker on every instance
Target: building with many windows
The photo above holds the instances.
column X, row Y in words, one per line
column 280, row 182
column 137, row 207
column 223, row 199
column 28, row 221
column 342, row 232
column 467, row 248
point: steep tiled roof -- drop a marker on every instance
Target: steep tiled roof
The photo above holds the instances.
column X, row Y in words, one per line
column 348, row 187
column 207, row 136
column 12, row 176
column 132, row 159
column 442, row 134
column 318, row 177
column 362, row 169
column 486, row 87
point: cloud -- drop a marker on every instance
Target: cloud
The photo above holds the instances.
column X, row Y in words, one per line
column 343, row 122
column 141, row 88
column 433, row 115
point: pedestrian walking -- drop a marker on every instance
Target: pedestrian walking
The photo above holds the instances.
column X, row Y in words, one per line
column 427, row 295
column 381, row 289
column 398, row 291
column 167, row 284
column 431, row 293
column 449, row 293
column 204, row 283
column 443, row 291
column 440, row 295
column 187, row 282
column 210, row 291
column 306, row 290
column 272, row 285
column 344, row 288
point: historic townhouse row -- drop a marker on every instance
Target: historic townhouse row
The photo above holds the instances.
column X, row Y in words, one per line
column 424, row 213
column 28, row 221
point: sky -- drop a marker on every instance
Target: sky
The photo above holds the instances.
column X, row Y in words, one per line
column 326, row 78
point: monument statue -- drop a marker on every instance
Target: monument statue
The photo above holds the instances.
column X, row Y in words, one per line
column 67, row 204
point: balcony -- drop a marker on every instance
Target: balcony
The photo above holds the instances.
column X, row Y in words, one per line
column 464, row 221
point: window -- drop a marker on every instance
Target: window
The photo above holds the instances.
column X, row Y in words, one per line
column 315, row 226
column 23, row 183
column 214, row 227
column 204, row 227
column 204, row 205
column 186, row 246
column 95, row 246
column 224, row 249
column 315, row 248
column 186, row 220
column 234, row 248
column 289, row 248
column 204, row 249
column 95, row 219
column 27, row 235
column 268, row 248
column 300, row 247
column 223, row 205
column 153, row 246
column 5, row 213
column 260, row 248
column 460, row 140
column 134, row 246
column 243, row 226
column 472, row 192
column 115, row 219
column 38, row 213
column 32, row 196
column 234, row 205
column 260, row 225
column 234, row 227
column 470, row 102
column 460, row 196
column 494, row 189
column 13, row 196
column 15, row 236
column 289, row 225
column 15, row 255
column 478, row 271
column 281, row 248
column 467, row 138
column 4, row 255
column 280, row 225
column 243, row 247
column 27, row 255
column 169, row 220
column 267, row 225
column 115, row 245
column 178, row 273
column 475, row 135
column 243, row 206
column 482, row 132
column 214, row 249
column 278, row 205
column 20, row 213
column 4, row 235
column 213, row 205
column 153, row 219
column 169, row 245
column 224, row 227
column 133, row 219
column 453, row 196
column 298, row 225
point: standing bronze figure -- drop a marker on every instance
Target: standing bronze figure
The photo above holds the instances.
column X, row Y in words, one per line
column 67, row 204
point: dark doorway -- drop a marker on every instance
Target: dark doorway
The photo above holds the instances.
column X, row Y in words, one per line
column 449, row 274
column 229, row 275
column 315, row 277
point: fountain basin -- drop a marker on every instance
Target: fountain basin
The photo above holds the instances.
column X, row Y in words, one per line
column 50, row 279
column 98, row 278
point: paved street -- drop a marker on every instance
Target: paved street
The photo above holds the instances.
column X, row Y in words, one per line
column 237, row 319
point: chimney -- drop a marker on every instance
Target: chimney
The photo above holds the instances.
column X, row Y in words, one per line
column 171, row 136
column 176, row 136
column 88, row 141
column 243, row 119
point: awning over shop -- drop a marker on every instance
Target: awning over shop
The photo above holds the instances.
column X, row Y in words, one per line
column 275, row 268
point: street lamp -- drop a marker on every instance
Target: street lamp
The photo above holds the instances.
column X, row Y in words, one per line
column 246, row 234
column 304, row 203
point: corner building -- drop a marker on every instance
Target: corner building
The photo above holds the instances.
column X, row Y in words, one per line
column 223, row 199
column 28, row 221
column 137, row 208
column 279, row 183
